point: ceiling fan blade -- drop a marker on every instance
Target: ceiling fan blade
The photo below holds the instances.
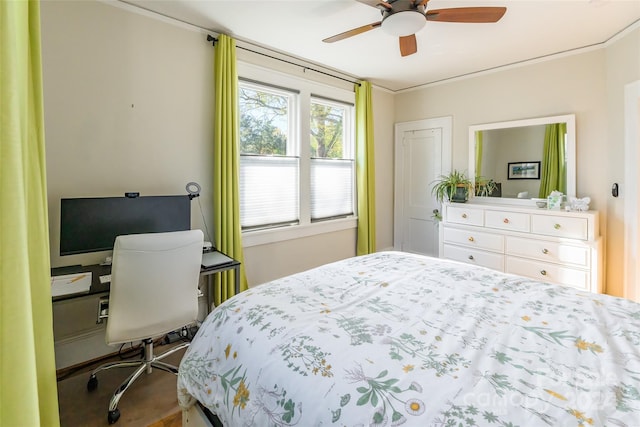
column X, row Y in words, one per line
column 352, row 32
column 467, row 14
column 408, row 45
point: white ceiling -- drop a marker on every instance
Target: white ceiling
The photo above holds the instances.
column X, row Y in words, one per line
column 530, row 29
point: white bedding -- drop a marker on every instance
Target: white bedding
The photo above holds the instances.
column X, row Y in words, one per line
column 393, row 338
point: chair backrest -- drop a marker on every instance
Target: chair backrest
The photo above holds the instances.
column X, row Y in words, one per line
column 154, row 284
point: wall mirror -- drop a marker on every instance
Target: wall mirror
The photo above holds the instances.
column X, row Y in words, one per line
column 512, row 156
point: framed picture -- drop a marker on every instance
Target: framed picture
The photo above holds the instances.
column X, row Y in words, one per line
column 524, row 170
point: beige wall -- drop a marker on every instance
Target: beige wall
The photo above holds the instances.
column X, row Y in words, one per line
column 127, row 103
column 588, row 84
column 383, row 128
column 129, row 107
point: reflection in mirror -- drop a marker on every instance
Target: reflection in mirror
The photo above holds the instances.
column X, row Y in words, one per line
column 523, row 159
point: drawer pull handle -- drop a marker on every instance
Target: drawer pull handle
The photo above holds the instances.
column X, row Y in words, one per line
column 556, row 226
column 471, row 239
column 545, row 251
column 506, row 220
column 543, row 272
column 471, row 257
column 464, row 215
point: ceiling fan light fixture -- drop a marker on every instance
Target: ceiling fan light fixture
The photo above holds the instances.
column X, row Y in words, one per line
column 404, row 23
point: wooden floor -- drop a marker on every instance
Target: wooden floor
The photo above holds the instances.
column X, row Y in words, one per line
column 151, row 399
column 174, row 420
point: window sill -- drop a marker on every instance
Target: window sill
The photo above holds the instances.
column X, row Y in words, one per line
column 262, row 237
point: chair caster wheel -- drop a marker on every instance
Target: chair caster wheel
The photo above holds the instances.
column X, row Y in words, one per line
column 93, row 383
column 113, row 416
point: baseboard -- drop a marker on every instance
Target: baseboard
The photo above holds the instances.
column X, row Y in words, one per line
column 67, row 371
column 78, row 349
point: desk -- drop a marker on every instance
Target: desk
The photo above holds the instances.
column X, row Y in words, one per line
column 98, row 270
column 78, row 330
column 209, row 272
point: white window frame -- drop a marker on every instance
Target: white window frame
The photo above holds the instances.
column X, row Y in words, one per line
column 348, row 134
column 307, row 90
column 292, row 108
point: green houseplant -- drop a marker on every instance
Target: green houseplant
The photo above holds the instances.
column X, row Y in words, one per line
column 454, row 187
column 485, row 187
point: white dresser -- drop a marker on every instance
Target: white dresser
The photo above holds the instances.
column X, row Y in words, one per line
column 547, row 245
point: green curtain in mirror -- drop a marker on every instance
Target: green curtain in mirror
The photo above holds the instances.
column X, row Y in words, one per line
column 226, row 167
column 553, row 176
column 28, row 393
column 365, row 170
column 479, row 138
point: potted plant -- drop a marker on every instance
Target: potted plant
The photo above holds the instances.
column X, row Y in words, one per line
column 454, row 187
column 485, row 187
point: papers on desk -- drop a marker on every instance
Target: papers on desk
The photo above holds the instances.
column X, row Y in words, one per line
column 70, row 284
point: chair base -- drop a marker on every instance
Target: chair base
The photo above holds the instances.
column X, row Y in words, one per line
column 150, row 361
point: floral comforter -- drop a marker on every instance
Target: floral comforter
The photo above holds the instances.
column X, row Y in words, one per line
column 393, row 338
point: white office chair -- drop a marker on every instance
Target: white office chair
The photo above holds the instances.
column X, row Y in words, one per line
column 154, row 290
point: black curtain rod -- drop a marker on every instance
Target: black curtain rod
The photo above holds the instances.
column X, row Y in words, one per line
column 213, row 41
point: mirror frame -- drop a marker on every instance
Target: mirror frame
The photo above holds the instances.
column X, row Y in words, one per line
column 569, row 119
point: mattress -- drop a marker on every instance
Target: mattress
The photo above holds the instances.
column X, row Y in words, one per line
column 393, row 339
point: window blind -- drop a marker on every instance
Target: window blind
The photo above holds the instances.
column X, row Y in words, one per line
column 268, row 190
column 331, row 188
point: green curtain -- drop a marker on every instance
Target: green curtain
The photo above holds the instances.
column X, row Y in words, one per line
column 226, row 166
column 365, row 170
column 553, row 176
column 28, row 394
column 479, row 142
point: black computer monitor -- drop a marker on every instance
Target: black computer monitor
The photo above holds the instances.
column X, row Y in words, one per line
column 92, row 224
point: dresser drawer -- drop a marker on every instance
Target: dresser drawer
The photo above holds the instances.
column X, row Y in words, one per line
column 474, row 238
column 555, row 252
column 461, row 215
column 560, row 226
column 474, row 256
column 546, row 272
column 512, row 221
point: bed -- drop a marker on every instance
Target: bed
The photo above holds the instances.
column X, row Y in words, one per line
column 394, row 338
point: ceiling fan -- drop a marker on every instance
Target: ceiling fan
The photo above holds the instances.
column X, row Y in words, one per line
column 403, row 18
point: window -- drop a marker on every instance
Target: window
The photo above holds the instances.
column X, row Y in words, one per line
column 269, row 161
column 332, row 166
column 295, row 168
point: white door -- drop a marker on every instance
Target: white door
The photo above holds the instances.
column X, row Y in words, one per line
column 423, row 152
column 629, row 192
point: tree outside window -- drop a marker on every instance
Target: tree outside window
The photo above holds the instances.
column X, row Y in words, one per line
column 264, row 127
column 327, row 124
